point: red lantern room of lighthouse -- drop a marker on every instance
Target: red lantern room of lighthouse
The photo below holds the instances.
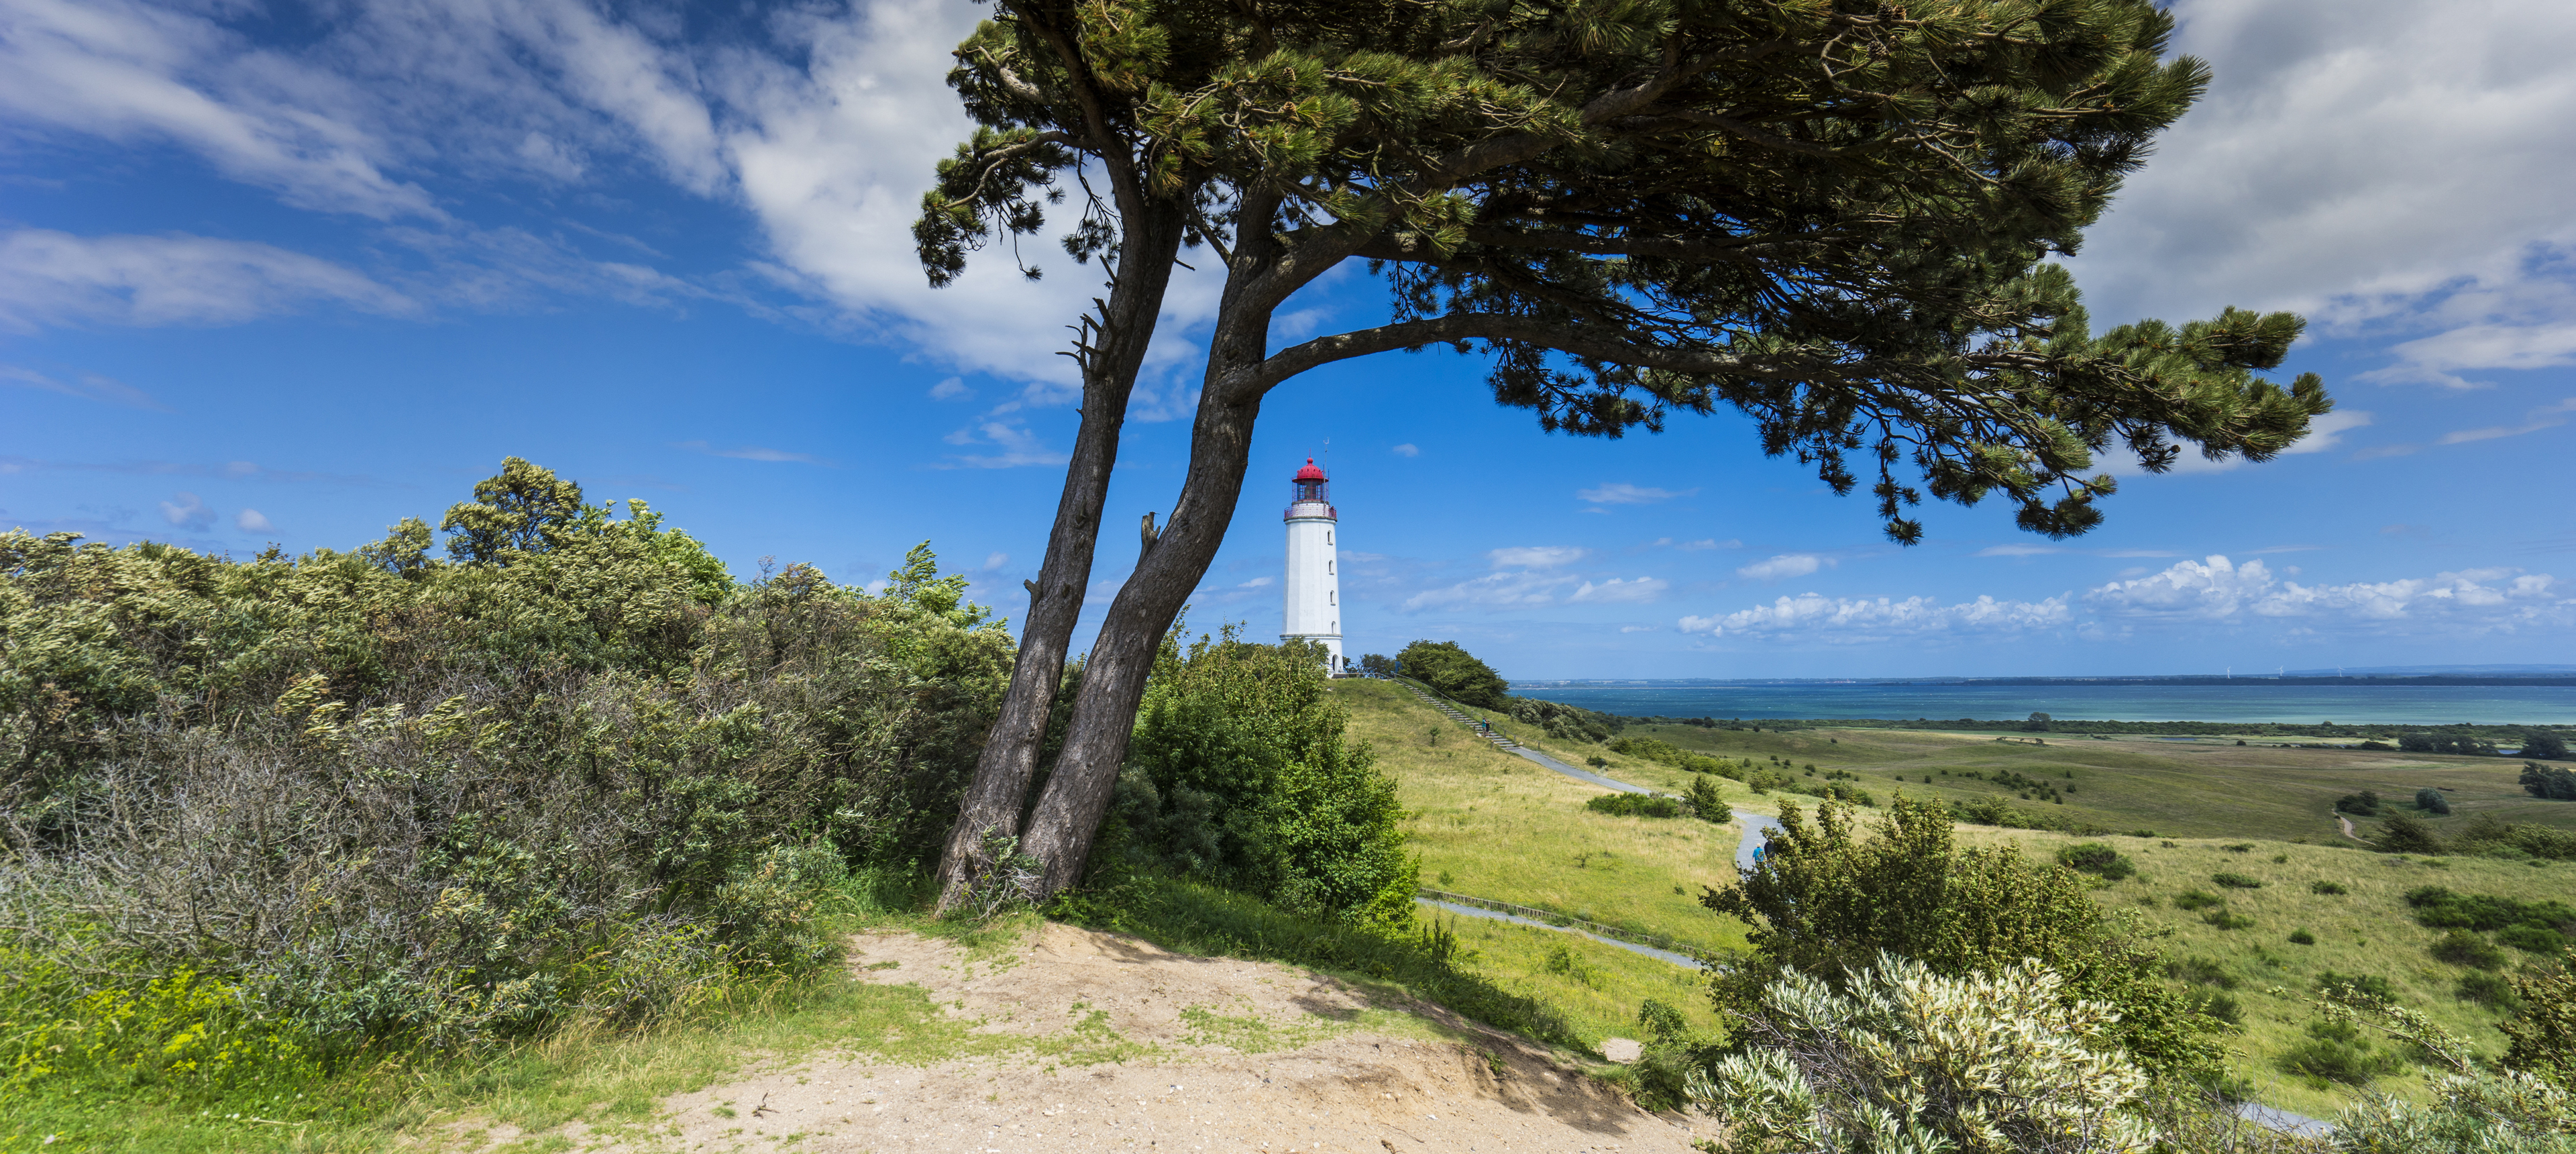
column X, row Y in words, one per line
column 1313, row 611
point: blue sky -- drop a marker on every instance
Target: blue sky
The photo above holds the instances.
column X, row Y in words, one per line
column 289, row 273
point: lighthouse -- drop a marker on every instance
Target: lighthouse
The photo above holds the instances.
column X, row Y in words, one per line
column 1314, row 609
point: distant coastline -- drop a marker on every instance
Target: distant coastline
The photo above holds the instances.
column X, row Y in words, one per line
column 2379, row 699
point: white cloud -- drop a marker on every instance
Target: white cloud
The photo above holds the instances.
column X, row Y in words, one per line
column 748, row 453
column 1640, row 628
column 1617, row 592
column 186, row 511
column 1256, row 583
column 49, row 277
column 1016, row 446
column 2216, row 590
column 951, row 389
column 2362, row 160
column 1534, row 557
column 1784, row 565
column 1811, row 617
column 995, row 561
column 90, row 387
column 1407, row 450
column 136, row 73
column 1511, row 590
column 2327, row 432
column 2544, row 417
column 252, row 521
column 2016, row 550
column 1623, row 493
column 1710, row 543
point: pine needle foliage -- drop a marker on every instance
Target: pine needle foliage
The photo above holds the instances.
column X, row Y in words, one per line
column 1832, row 215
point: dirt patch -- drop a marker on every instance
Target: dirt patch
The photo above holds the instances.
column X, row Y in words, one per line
column 1163, row 1053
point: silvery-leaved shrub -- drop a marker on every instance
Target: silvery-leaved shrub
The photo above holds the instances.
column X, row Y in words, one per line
column 1907, row 1061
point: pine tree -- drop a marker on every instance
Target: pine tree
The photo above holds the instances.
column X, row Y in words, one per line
column 1832, row 216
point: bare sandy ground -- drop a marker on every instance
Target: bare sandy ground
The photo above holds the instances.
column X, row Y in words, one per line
column 1238, row 1056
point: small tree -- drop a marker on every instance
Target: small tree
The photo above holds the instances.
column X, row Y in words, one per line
column 2038, row 723
column 525, row 509
column 2556, row 783
column 1827, row 903
column 1705, row 803
column 2543, row 1035
column 1378, row 665
column 2362, row 804
column 2544, row 744
column 2430, row 800
column 1454, row 672
column 2400, row 833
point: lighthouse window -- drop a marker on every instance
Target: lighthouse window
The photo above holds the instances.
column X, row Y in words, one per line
column 1328, row 598
column 1328, row 568
column 1328, row 536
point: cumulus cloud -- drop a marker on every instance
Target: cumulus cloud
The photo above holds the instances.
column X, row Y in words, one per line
column 186, row 511
column 2217, row 590
column 1507, row 590
column 2278, row 191
column 1623, row 493
column 252, row 521
column 1842, row 620
column 1407, row 449
column 1783, row 566
column 1617, row 592
column 1534, row 556
column 951, row 389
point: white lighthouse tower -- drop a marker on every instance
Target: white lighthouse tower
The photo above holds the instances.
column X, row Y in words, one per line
column 1314, row 609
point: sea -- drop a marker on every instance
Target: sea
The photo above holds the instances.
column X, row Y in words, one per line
column 2357, row 701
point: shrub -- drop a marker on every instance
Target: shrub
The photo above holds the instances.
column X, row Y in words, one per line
column 1563, row 962
column 1706, row 804
column 1563, row 722
column 2543, row 1036
column 2200, row 971
column 2095, row 858
column 392, row 799
column 1635, row 805
column 2197, row 900
column 2236, row 881
column 1827, row 903
column 2325, row 887
column 2301, row 937
column 2487, row 989
column 1986, row 1062
column 2437, row 907
column 2430, row 800
column 2362, row 804
column 1239, row 774
column 2226, row 920
column 2223, row 1007
column 1455, row 673
column 2467, row 948
column 2543, row 744
column 2336, row 1052
column 2368, row 986
column 2399, row 833
column 2534, row 939
column 2239, row 847
column 2555, row 782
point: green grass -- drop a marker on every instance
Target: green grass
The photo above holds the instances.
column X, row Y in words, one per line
column 2198, row 788
column 2366, row 931
column 1499, row 826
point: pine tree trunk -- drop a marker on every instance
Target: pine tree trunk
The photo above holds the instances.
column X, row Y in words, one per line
column 1078, row 791
column 999, row 790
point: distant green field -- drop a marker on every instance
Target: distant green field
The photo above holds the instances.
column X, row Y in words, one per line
column 2191, row 788
column 1500, row 827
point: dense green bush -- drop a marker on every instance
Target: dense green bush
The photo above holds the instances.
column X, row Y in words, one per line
column 1564, row 722
column 2236, row 881
column 2543, row 1036
column 1454, row 673
column 2369, row 986
column 2402, row 833
column 2488, row 834
column 2487, row 989
column 2362, row 804
column 1635, row 805
column 383, row 799
column 1239, row 775
column 2545, row 924
column 2467, row 948
column 1707, row 804
column 2336, row 1052
column 2095, row 858
column 2555, row 782
column 1827, row 902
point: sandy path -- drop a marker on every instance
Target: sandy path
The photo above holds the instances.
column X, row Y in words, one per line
column 1339, row 1074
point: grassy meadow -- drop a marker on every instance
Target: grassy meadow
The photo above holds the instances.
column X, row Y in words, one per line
column 1498, row 826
